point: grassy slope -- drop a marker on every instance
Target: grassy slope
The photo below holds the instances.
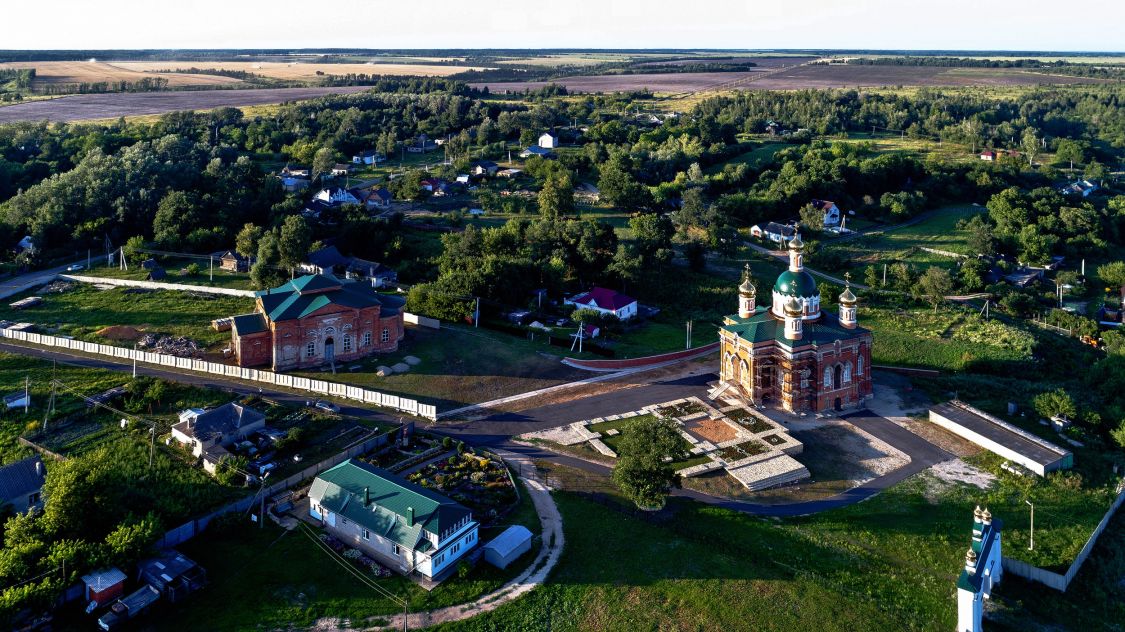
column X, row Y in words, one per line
column 936, row 231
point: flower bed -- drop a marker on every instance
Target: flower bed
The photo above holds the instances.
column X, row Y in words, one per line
column 748, row 420
column 773, row 439
column 358, row 557
column 683, row 409
column 742, row 450
column 480, row 483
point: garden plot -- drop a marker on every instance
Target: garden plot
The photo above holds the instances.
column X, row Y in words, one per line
column 753, row 449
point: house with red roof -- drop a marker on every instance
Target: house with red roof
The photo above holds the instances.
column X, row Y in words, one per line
column 606, row 301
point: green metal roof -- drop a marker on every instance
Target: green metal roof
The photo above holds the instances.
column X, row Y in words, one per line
column 307, row 294
column 245, row 324
column 346, row 488
column 800, row 284
column 762, row 326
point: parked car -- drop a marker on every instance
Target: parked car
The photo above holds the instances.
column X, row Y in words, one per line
column 326, row 406
column 75, row 267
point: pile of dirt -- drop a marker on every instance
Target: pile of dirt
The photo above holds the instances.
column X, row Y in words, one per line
column 179, row 346
column 57, row 287
column 119, row 332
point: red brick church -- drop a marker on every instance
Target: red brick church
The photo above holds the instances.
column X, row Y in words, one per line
column 793, row 354
column 316, row 319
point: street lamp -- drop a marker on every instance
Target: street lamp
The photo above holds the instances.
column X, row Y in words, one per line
column 1031, row 546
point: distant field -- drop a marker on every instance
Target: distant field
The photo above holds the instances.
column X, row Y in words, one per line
column 90, row 107
column 297, row 71
column 61, row 72
column 803, row 77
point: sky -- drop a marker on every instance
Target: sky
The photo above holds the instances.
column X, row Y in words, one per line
column 1077, row 25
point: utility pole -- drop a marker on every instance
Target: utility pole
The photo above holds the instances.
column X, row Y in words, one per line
column 26, row 394
column 1031, row 546
column 688, row 345
column 134, row 360
column 88, row 258
column 211, row 261
column 476, row 314
column 151, row 446
column 884, row 275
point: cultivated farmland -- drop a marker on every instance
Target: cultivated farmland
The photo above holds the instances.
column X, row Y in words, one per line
column 297, row 71
column 64, row 72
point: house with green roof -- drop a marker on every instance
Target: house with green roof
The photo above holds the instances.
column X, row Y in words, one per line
column 794, row 354
column 402, row 525
column 316, row 319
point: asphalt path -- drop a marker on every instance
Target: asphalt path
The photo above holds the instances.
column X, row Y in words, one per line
column 496, row 430
column 24, row 282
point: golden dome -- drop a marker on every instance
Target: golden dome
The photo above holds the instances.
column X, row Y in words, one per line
column 747, row 286
column 847, row 298
column 796, row 243
column 792, row 307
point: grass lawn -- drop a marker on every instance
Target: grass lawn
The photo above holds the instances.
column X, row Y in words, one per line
column 614, row 442
column 173, row 266
column 462, row 365
column 84, row 310
column 937, row 231
column 889, row 563
column 755, row 158
column 275, row 579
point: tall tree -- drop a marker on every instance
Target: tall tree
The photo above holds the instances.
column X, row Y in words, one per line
column 293, row 241
column 266, row 271
column 1031, row 145
column 643, row 471
column 934, row 285
column 556, row 198
column 246, row 242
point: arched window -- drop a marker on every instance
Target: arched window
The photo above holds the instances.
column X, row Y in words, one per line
column 827, row 377
column 745, row 372
column 847, row 373
column 859, row 365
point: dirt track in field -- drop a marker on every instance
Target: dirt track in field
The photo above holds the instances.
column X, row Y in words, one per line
column 86, row 107
column 803, row 77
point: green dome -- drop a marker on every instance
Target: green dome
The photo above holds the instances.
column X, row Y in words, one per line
column 800, row 284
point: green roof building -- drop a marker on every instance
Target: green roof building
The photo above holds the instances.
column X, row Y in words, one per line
column 400, row 524
column 317, row 319
column 794, row 354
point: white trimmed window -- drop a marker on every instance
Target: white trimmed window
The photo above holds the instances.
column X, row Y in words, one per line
column 367, row 338
column 385, row 336
column 310, row 350
column 347, row 344
column 828, row 377
column 366, row 534
column 859, row 365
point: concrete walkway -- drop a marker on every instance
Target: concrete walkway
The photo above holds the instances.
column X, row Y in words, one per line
column 525, row 582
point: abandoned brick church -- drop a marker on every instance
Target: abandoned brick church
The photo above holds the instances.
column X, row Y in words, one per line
column 316, row 319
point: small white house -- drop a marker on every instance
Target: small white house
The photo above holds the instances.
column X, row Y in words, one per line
column 336, row 195
column 983, row 570
column 369, row 157
column 606, row 301
column 777, row 233
column 216, row 428
column 830, row 210
column 402, row 525
column 548, row 141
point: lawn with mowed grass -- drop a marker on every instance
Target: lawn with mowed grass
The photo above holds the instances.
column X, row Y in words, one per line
column 889, row 563
column 755, row 158
column 275, row 579
column 938, row 231
column 84, row 310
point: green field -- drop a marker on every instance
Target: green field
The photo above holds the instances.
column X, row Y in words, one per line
column 938, row 230
column 175, row 266
column 755, row 158
column 83, row 310
column 951, row 339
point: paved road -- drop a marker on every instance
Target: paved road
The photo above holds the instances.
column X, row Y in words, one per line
column 24, row 282
column 496, row 431
column 85, row 107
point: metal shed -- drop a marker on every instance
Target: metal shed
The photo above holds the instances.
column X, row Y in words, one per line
column 509, row 545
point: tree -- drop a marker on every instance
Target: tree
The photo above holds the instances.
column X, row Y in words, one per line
column 934, row 285
column 981, row 239
column 1030, row 143
column 1070, row 152
column 652, row 238
column 812, row 218
column 1119, row 434
column 1112, row 274
column 266, row 271
column 643, row 471
column 176, row 215
column 1095, row 171
column 246, row 242
column 556, row 198
column 323, row 161
column 293, row 241
column 1055, row 403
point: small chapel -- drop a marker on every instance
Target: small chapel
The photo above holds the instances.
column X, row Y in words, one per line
column 793, row 354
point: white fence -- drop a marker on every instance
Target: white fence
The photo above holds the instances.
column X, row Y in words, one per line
column 322, row 387
column 157, row 285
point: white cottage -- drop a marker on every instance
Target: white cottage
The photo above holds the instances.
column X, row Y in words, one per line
column 402, row 525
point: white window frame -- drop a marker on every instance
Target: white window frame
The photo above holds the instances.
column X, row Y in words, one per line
column 310, row 350
column 386, row 335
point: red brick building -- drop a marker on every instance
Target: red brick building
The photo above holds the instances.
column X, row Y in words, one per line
column 316, row 319
column 793, row 354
